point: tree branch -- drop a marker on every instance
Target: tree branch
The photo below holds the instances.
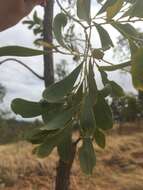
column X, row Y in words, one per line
column 48, row 37
column 24, row 65
column 77, row 141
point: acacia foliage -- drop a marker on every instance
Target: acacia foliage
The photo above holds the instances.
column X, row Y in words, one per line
column 76, row 103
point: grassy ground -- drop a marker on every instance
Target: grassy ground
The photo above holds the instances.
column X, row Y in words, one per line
column 119, row 166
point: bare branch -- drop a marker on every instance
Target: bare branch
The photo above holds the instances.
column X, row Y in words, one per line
column 77, row 141
column 24, row 65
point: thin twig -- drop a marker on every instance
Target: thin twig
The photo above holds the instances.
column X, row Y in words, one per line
column 24, row 65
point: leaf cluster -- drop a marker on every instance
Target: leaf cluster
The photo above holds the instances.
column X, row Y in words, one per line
column 76, row 103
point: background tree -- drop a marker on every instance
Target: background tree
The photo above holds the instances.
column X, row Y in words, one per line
column 2, row 92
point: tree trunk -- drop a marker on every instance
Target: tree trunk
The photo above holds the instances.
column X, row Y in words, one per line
column 64, row 171
column 48, row 37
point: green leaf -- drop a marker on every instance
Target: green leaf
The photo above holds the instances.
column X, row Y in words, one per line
column 116, row 67
column 37, row 136
column 26, row 109
column 107, row 4
column 36, row 19
column 52, row 141
column 103, row 114
column 117, row 90
column 100, row 138
column 106, row 91
column 29, row 22
column 58, row 120
column 114, row 9
column 19, row 51
column 106, row 41
column 136, row 10
column 46, row 147
column 127, row 30
column 78, row 96
column 133, row 47
column 92, row 85
column 57, row 91
column 60, row 22
column 83, row 9
column 87, row 156
column 51, row 110
column 87, row 119
column 113, row 89
column 137, row 69
column 104, row 76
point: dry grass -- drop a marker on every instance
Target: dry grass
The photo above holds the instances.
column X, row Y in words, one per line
column 119, row 166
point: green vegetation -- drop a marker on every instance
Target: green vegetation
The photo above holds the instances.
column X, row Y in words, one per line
column 75, row 103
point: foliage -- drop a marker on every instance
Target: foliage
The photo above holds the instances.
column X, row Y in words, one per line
column 2, row 92
column 127, row 109
column 3, row 114
column 36, row 24
column 12, row 131
column 61, row 70
column 76, row 102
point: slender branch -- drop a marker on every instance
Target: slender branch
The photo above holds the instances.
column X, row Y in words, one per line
column 24, row 65
column 118, row 66
column 70, row 16
column 77, row 141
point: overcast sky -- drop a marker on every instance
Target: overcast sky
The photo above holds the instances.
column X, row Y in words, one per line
column 21, row 83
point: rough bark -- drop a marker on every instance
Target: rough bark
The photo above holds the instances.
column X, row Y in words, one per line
column 64, row 171
column 48, row 37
